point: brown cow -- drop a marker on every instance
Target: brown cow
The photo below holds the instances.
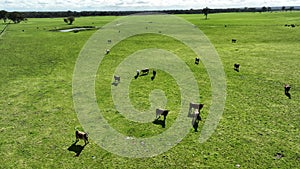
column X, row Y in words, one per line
column 82, row 135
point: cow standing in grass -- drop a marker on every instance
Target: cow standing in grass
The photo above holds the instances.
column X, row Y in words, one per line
column 145, row 71
column 236, row 67
column 196, row 119
column 197, row 60
column 107, row 51
column 195, row 106
column 117, row 78
column 287, row 91
column 160, row 112
column 82, row 135
column 137, row 74
column 196, row 115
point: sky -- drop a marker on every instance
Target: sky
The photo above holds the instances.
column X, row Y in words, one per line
column 136, row 5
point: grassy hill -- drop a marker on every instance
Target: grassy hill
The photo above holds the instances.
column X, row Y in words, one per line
column 259, row 128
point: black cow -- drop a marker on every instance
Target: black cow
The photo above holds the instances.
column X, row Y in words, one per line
column 163, row 112
column 236, row 67
column 145, row 71
column 287, row 90
column 81, row 135
column 197, row 60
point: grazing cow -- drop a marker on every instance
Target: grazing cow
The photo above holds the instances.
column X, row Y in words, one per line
column 233, row 40
column 160, row 112
column 81, row 135
column 196, row 119
column 137, row 74
column 145, row 71
column 236, row 67
column 287, row 90
column 197, row 60
column 117, row 78
column 195, row 106
column 197, row 115
column 107, row 51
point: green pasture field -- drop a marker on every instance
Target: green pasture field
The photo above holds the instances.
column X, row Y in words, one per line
column 260, row 126
column 2, row 26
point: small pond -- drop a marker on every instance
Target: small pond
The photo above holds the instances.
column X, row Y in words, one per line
column 75, row 29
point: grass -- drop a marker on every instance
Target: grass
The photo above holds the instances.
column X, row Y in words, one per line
column 37, row 117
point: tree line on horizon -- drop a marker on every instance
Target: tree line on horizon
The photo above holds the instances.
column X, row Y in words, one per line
column 17, row 17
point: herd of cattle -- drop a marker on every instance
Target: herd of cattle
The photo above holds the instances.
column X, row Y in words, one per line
column 291, row 25
column 195, row 115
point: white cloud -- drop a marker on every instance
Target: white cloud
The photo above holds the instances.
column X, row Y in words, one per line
column 101, row 5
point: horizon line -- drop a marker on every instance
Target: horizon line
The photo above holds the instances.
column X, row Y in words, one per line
column 149, row 10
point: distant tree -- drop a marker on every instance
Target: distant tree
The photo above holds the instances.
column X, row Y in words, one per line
column 69, row 20
column 3, row 14
column 283, row 8
column 16, row 17
column 264, row 9
column 205, row 12
column 292, row 8
column 269, row 9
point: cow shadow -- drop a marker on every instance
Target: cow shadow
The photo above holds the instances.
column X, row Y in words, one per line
column 116, row 83
column 160, row 122
column 154, row 75
column 77, row 149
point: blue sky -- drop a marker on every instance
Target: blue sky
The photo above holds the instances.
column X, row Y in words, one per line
column 112, row 5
